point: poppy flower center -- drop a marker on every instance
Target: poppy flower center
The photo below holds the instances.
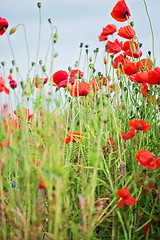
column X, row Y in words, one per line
column 126, row 14
column 139, row 126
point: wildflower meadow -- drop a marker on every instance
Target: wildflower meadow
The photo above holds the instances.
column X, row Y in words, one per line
column 80, row 149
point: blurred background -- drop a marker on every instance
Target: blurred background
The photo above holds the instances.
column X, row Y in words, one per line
column 76, row 21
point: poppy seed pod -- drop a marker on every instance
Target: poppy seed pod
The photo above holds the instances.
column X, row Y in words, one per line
column 55, row 38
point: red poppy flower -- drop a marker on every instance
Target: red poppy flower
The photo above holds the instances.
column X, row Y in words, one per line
column 126, row 32
column 154, row 76
column 130, row 68
column 113, row 47
column 111, row 144
column 149, row 186
column 72, row 137
column 108, row 30
column 147, row 160
column 80, row 89
column 129, row 135
column 3, row 25
column 139, row 125
column 140, row 77
column 42, row 184
column 64, row 83
column 3, row 86
column 39, row 82
column 144, row 89
column 144, row 64
column 120, row 61
column 132, row 49
column 5, row 143
column 12, row 83
column 23, row 112
column 120, row 11
column 58, row 77
column 126, row 199
column 76, row 74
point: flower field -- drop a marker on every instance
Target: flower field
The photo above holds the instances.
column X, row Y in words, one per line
column 82, row 160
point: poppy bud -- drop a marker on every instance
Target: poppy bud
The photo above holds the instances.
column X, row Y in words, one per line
column 133, row 48
column 32, row 63
column 49, row 20
column 81, row 45
column 87, row 51
column 118, row 73
column 17, row 69
column 3, row 64
column 132, row 24
column 69, row 69
column 12, row 30
column 39, row 4
column 55, row 37
column 91, row 66
column 40, row 62
column 43, row 68
column 13, row 62
column 11, row 70
column 97, row 50
column 55, row 55
column 76, row 76
column 86, row 46
column 149, row 53
column 90, row 59
column 105, row 60
column 140, row 45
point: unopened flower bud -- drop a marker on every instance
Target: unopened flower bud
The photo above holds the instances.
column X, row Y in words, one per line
column 43, row 68
column 13, row 62
column 149, row 53
column 132, row 24
column 12, row 30
column 49, row 20
column 55, row 55
column 13, row 84
column 140, row 45
column 3, row 64
column 17, row 69
column 91, row 66
column 105, row 60
column 81, row 45
column 90, row 59
column 133, row 48
column 76, row 76
column 11, row 70
column 69, row 69
column 40, row 62
column 55, row 37
column 32, row 63
column 39, row 4
column 118, row 73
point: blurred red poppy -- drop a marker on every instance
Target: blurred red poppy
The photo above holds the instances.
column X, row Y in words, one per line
column 144, row 89
column 120, row 11
column 12, row 83
column 126, row 32
column 113, row 47
column 108, row 30
column 147, row 226
column 72, row 137
column 23, row 112
column 42, row 184
column 76, row 73
column 64, row 83
column 146, row 159
column 58, row 77
column 129, row 135
column 3, row 86
column 126, row 199
column 80, row 89
column 139, row 125
column 132, row 49
column 39, row 82
column 144, row 64
column 3, row 25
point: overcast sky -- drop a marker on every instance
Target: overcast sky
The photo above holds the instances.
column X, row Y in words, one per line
column 76, row 21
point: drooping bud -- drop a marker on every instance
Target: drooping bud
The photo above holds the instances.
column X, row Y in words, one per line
column 49, row 20
column 40, row 62
column 13, row 62
column 3, row 63
column 132, row 24
column 32, row 63
column 12, row 30
column 81, row 45
column 11, row 70
column 55, row 37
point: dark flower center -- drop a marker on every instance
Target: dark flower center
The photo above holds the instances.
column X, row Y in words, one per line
column 126, row 14
column 139, row 126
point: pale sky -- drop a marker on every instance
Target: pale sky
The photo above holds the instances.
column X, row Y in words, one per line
column 76, row 21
